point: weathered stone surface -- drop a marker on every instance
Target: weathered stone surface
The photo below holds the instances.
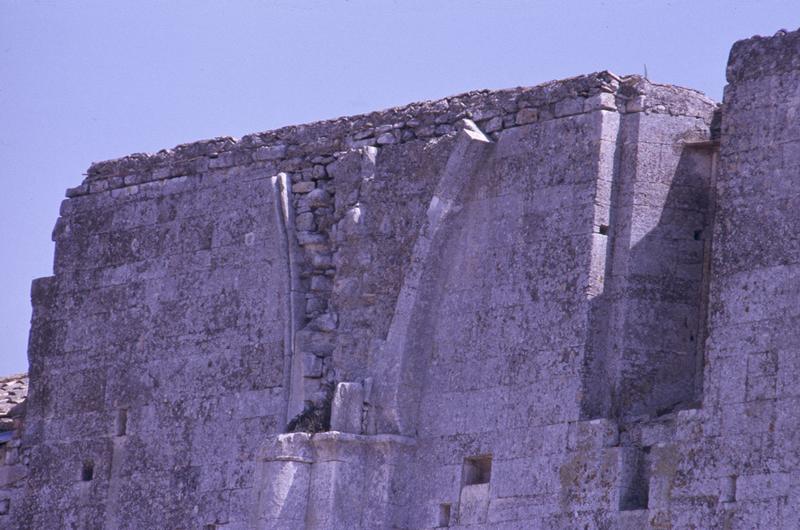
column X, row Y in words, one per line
column 526, row 116
column 498, row 310
column 14, row 458
column 347, row 408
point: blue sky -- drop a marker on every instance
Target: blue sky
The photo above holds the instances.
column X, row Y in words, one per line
column 84, row 81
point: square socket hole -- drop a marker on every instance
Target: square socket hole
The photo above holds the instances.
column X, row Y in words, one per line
column 477, row 470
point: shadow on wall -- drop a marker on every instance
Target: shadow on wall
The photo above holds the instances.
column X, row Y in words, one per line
column 648, row 326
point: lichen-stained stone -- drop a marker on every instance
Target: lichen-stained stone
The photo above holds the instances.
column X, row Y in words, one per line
column 563, row 306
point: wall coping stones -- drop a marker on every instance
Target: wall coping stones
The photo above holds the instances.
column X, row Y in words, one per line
column 300, row 147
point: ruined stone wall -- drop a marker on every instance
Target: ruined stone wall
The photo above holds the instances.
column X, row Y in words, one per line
column 473, row 320
column 308, row 155
column 507, row 325
column 156, row 354
column 190, row 312
column 494, row 307
column 14, row 458
column 509, row 322
column 735, row 461
column 650, row 313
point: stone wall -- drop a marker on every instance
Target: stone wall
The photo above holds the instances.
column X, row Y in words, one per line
column 735, row 463
column 494, row 305
column 649, row 316
column 156, row 354
column 14, row 458
column 470, row 319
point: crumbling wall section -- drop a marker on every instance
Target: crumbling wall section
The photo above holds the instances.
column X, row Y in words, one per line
column 14, row 458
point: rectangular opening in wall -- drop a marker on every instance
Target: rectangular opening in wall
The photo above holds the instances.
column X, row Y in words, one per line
column 635, row 479
column 477, row 470
column 603, row 230
column 87, row 471
column 728, row 489
column 122, row 422
column 444, row 516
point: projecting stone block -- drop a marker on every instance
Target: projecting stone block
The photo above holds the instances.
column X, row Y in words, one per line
column 347, row 408
column 288, row 446
column 77, row 191
column 601, row 101
column 473, row 504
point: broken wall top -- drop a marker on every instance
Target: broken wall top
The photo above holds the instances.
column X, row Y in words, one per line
column 758, row 57
column 294, row 148
column 13, row 393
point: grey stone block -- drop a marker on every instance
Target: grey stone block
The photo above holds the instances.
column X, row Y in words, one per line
column 272, row 152
column 347, row 408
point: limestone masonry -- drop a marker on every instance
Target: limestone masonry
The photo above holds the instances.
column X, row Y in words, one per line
column 574, row 305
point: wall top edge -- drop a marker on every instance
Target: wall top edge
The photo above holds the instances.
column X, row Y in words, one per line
column 493, row 110
column 764, row 56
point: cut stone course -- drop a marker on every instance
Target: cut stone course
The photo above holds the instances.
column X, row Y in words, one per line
column 571, row 305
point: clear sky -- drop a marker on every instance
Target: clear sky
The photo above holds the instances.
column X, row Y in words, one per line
column 84, row 81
